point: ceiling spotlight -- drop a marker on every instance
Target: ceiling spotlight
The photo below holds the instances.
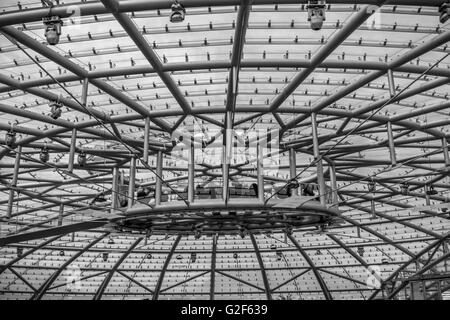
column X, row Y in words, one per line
column 193, row 257
column 361, row 251
column 178, row 13
column 105, row 256
column 61, row 253
column 19, row 252
column 371, row 186
column 404, row 188
column 82, row 159
column 10, row 138
column 44, row 156
column 431, row 191
column 55, row 109
column 316, row 13
column 444, row 12
column 235, row 255
column 53, row 26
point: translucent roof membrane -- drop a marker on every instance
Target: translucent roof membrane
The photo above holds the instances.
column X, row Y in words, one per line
column 111, row 71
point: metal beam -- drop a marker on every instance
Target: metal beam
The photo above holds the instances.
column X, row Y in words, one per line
column 13, row 184
column 263, row 270
column 93, row 8
column 101, row 289
column 146, row 139
column 212, row 285
column 159, row 173
column 166, row 265
column 391, row 144
column 318, row 159
column 191, row 172
column 323, row 286
column 131, row 182
column 150, row 55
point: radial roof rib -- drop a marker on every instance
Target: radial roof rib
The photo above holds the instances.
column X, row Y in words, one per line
column 79, row 71
column 353, row 24
column 47, row 284
column 410, row 55
column 238, row 43
column 129, row 26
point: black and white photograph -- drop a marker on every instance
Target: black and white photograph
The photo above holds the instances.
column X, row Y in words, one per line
column 224, row 159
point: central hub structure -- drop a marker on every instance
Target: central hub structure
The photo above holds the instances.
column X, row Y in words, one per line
column 238, row 216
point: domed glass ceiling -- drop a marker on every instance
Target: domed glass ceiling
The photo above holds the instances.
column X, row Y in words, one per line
column 358, row 110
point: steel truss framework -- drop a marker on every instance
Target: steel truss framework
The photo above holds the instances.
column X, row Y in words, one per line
column 364, row 100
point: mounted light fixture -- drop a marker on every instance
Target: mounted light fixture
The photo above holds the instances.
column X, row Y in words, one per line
column 193, row 257
column 404, row 188
column 361, row 251
column 444, row 12
column 371, row 186
column 105, row 256
column 44, row 156
column 431, row 191
column 178, row 13
column 55, row 109
column 10, row 138
column 316, row 13
column 53, row 26
column 82, row 159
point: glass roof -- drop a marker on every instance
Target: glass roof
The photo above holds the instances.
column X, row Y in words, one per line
column 261, row 64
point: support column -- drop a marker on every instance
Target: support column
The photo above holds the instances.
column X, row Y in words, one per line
column 427, row 196
column 320, row 177
column 60, row 214
column 228, row 138
column 146, row 139
column 84, row 91
column 334, row 192
column 445, row 150
column 191, row 170
column 13, row 183
column 73, row 144
column 293, row 168
column 260, row 172
column 213, row 268
column 391, row 144
column 158, row 185
column 131, row 182
column 115, row 189
column 391, row 82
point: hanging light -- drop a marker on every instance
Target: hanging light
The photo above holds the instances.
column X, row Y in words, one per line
column 81, row 159
column 371, row 186
column 431, row 191
column 404, row 188
column 279, row 255
column 53, row 26
column 44, row 156
column 444, row 12
column 178, row 13
column 361, row 251
column 10, row 138
column 316, row 13
column 55, row 109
